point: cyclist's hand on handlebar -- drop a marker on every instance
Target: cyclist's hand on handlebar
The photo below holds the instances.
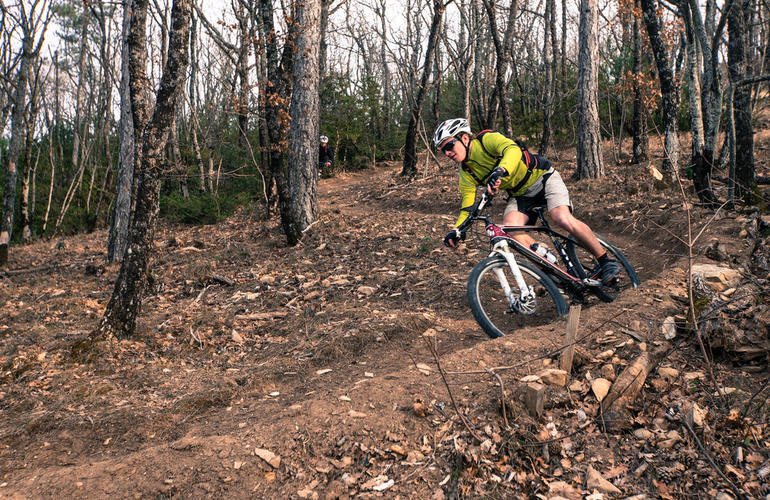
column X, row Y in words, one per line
column 494, row 179
column 453, row 238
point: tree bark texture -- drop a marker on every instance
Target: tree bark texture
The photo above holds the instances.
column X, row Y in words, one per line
column 125, row 304
column 501, row 58
column 410, row 146
column 590, row 164
column 278, row 93
column 117, row 241
column 668, row 87
column 737, row 61
column 304, row 112
column 641, row 139
column 14, row 148
column 549, row 66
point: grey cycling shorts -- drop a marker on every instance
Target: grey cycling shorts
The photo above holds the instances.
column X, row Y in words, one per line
column 548, row 190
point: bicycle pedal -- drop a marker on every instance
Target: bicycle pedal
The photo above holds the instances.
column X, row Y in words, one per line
column 592, row 282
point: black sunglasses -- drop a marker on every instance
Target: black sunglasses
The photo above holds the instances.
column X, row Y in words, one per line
column 449, row 145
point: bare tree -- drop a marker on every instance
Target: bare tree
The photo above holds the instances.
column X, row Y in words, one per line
column 33, row 19
column 410, row 147
column 737, row 57
column 641, row 139
column 590, row 163
column 125, row 304
column 668, row 86
column 117, row 240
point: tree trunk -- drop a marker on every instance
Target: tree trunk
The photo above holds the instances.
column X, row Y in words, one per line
column 700, row 165
column 590, row 164
column 26, row 233
column 641, row 139
column 117, row 240
column 242, row 104
column 410, row 146
column 125, row 304
column 304, row 112
column 549, row 59
column 737, row 60
column 278, row 93
column 501, row 65
column 668, row 86
column 14, row 148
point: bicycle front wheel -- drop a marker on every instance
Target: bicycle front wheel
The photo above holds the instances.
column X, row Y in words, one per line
column 491, row 307
column 588, row 267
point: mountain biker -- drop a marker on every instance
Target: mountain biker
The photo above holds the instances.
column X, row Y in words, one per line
column 325, row 155
column 499, row 163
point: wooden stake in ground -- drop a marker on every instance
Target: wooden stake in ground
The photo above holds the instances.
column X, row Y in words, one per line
column 569, row 341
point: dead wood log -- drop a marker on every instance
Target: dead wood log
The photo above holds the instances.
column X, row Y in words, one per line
column 626, row 388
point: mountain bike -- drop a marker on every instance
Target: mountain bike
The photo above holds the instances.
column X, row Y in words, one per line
column 515, row 286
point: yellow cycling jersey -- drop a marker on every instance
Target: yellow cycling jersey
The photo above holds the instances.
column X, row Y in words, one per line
column 497, row 151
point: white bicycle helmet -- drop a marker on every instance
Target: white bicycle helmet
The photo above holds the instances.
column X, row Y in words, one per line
column 324, row 138
column 450, row 128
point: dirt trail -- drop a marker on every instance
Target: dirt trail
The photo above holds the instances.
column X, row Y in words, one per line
column 313, row 354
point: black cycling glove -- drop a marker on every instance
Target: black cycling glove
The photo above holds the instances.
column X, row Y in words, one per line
column 453, row 237
column 496, row 174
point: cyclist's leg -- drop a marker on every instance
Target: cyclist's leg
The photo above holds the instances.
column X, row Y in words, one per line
column 513, row 217
column 560, row 210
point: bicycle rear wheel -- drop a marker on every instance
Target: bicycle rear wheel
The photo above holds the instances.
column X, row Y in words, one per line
column 490, row 306
column 588, row 267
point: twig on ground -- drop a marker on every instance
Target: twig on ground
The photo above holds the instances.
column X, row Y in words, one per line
column 502, row 395
column 674, row 413
column 449, row 391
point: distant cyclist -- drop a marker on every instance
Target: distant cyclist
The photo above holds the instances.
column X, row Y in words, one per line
column 325, row 155
column 492, row 160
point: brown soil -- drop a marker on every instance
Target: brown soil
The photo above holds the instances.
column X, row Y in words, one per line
column 312, row 354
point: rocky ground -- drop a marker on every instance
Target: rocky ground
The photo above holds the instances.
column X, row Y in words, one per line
column 351, row 365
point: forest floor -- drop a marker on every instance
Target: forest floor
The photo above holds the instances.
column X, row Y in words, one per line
column 272, row 372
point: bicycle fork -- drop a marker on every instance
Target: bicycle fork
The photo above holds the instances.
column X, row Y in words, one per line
column 525, row 303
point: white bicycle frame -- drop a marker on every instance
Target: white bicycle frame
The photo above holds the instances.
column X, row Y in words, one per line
column 527, row 294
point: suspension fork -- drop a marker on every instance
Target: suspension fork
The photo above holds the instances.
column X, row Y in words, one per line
column 501, row 248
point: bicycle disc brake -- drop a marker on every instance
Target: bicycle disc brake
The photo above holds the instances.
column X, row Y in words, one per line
column 527, row 305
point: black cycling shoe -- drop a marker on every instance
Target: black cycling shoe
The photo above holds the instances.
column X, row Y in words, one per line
column 610, row 272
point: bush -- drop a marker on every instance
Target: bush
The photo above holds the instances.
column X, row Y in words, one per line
column 205, row 209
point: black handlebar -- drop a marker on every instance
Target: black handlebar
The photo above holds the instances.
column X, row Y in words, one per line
column 474, row 214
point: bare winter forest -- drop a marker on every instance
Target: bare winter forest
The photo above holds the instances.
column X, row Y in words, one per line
column 191, row 307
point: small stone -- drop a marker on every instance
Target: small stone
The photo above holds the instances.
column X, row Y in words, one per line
column 643, row 434
column 555, row 377
column 668, row 373
column 268, row 456
column 365, row 290
column 669, row 328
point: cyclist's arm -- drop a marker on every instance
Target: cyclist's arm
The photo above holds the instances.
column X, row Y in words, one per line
column 497, row 144
column 467, row 196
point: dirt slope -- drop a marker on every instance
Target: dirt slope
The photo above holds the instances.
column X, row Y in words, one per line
column 265, row 371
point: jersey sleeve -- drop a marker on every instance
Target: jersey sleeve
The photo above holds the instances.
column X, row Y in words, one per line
column 499, row 145
column 467, row 195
